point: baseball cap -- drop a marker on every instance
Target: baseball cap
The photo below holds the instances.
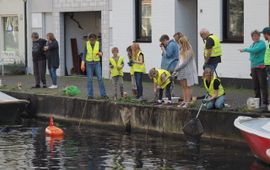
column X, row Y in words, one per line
column 266, row 30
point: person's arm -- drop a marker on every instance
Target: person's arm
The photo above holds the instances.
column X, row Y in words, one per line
column 164, row 78
column 184, row 63
column 169, row 51
column 140, row 61
column 258, row 48
column 83, row 59
column 84, row 54
column 209, row 48
column 53, row 45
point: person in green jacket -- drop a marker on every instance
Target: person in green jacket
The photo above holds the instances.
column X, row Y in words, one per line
column 258, row 71
column 266, row 34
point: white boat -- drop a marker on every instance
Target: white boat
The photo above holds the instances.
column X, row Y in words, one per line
column 256, row 132
column 10, row 108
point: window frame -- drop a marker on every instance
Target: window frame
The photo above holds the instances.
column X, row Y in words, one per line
column 225, row 15
column 138, row 24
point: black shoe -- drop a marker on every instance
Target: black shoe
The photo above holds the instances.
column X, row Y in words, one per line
column 90, row 98
column 105, row 97
column 36, row 87
column 44, row 86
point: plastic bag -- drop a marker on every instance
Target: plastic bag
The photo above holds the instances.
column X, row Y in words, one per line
column 72, row 90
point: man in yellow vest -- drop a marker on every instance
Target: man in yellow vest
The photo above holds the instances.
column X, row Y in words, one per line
column 91, row 59
column 214, row 89
column 162, row 80
column 212, row 49
column 116, row 70
column 266, row 34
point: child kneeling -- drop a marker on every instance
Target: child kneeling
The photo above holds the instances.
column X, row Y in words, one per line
column 162, row 80
column 116, row 70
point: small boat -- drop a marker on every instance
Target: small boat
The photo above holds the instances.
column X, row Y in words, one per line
column 10, row 108
column 256, row 132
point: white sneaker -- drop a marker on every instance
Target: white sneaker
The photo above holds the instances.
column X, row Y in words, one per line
column 53, row 87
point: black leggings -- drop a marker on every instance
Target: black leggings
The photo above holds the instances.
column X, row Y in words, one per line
column 168, row 92
column 259, row 77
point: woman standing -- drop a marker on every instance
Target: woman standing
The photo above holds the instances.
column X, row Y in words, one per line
column 258, row 72
column 52, row 54
column 138, row 68
column 186, row 70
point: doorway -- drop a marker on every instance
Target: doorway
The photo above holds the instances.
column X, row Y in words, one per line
column 186, row 20
column 77, row 27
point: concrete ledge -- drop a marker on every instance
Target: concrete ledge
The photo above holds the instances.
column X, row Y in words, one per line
column 168, row 120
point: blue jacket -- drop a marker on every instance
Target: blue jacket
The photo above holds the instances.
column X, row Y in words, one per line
column 257, row 51
column 170, row 56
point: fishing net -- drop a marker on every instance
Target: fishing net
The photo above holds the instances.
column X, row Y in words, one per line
column 193, row 127
column 71, row 90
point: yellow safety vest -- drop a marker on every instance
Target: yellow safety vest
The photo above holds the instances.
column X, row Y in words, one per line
column 267, row 55
column 139, row 67
column 158, row 80
column 114, row 70
column 131, row 70
column 216, row 50
column 210, row 90
column 92, row 53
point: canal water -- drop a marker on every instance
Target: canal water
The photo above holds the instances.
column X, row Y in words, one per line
column 91, row 148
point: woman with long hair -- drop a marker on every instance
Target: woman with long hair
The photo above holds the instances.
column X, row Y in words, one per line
column 52, row 55
column 138, row 68
column 186, row 70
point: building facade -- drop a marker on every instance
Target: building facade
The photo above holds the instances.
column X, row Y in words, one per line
column 12, row 31
column 118, row 23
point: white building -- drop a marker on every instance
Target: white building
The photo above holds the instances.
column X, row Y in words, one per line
column 12, row 31
column 120, row 22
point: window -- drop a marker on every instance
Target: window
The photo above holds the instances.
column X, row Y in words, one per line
column 143, row 20
column 233, row 21
column 11, row 31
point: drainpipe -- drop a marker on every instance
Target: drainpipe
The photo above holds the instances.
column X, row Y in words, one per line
column 25, row 34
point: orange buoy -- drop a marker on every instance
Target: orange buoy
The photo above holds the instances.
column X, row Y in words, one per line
column 52, row 130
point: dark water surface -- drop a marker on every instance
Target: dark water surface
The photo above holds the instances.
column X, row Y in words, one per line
column 27, row 147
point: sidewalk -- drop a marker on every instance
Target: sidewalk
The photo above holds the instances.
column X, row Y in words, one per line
column 236, row 98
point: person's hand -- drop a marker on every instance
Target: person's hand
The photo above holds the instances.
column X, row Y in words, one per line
column 174, row 74
column 158, row 87
column 83, row 66
column 100, row 54
column 241, row 50
column 46, row 48
column 155, row 90
column 204, row 101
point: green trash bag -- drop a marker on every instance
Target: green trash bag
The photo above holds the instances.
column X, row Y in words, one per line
column 72, row 90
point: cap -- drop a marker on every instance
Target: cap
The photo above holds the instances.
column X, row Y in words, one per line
column 266, row 30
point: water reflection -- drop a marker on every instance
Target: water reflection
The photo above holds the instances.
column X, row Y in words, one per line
column 92, row 148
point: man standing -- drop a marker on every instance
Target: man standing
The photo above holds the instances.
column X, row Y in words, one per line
column 39, row 60
column 170, row 53
column 212, row 49
column 91, row 59
column 266, row 34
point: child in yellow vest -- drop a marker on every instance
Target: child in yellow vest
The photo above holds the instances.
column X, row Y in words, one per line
column 130, row 63
column 162, row 80
column 116, row 70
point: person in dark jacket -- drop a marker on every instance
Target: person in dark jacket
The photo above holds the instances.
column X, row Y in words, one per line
column 39, row 60
column 52, row 54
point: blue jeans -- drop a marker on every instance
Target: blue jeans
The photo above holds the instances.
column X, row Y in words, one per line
column 216, row 103
column 92, row 67
column 53, row 75
column 213, row 67
column 138, row 78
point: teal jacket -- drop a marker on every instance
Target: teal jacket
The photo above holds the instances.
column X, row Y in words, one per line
column 257, row 51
